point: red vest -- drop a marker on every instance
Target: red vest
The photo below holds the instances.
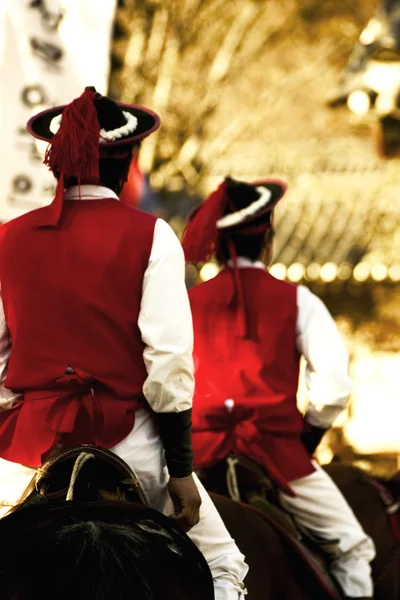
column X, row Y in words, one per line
column 259, row 374
column 71, row 298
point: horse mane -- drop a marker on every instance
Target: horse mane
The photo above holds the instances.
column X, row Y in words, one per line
column 98, row 551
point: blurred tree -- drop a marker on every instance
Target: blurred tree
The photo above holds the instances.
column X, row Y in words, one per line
column 241, row 87
column 224, row 73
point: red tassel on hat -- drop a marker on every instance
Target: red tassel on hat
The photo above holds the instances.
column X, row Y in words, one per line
column 73, row 151
column 200, row 238
column 242, row 318
column 199, row 244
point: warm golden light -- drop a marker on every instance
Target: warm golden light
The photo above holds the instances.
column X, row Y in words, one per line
column 361, row 271
column 209, row 271
column 374, row 375
column 382, row 77
column 394, row 272
column 312, row 271
column 328, row 272
column 371, row 32
column 379, row 272
column 278, row 270
column 324, row 455
column 385, row 104
column 358, row 102
column 295, row 272
column 344, row 271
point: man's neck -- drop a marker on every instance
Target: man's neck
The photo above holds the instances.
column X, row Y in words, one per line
column 88, row 192
column 244, row 262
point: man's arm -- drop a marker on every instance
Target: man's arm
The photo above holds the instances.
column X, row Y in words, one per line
column 165, row 322
column 327, row 379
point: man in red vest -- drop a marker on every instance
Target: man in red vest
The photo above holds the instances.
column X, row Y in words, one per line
column 95, row 328
column 250, row 332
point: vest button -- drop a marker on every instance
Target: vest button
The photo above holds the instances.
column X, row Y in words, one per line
column 69, row 371
column 229, row 404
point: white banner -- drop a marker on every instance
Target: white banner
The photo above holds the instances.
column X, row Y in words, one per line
column 49, row 51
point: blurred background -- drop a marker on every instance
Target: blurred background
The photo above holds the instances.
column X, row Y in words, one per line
column 305, row 90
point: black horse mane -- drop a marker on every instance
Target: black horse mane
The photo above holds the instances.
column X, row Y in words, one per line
column 98, row 551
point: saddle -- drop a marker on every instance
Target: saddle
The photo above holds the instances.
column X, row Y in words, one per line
column 245, row 481
column 86, row 473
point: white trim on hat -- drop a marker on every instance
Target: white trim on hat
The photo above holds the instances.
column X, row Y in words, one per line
column 116, row 134
column 240, row 215
column 105, row 136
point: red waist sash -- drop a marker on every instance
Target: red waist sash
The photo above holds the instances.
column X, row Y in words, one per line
column 79, row 410
column 268, row 433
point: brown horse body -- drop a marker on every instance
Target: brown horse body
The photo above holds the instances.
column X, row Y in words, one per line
column 277, row 572
column 363, row 497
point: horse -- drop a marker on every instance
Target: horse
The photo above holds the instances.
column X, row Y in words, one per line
column 277, row 570
column 376, row 503
column 83, row 530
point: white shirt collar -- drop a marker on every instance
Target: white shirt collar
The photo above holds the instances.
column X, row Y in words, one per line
column 246, row 263
column 89, row 192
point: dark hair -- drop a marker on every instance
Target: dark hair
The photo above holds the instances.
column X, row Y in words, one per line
column 249, row 246
column 114, row 168
column 98, row 560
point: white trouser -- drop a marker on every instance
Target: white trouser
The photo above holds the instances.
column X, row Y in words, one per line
column 143, row 451
column 321, row 511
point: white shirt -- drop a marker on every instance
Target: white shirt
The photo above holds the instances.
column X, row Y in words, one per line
column 327, row 362
column 165, row 320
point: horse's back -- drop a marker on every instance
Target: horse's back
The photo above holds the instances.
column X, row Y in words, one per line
column 271, row 573
column 275, row 569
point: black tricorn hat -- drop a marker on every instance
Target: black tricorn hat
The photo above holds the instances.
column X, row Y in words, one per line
column 235, row 206
column 112, row 116
column 249, row 202
column 80, row 133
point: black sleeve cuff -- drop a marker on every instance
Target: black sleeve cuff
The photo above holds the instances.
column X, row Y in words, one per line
column 176, row 436
column 312, row 437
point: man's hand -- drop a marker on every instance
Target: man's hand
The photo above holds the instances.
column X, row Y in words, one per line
column 186, row 499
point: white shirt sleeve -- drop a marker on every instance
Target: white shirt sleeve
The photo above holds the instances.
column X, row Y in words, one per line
column 7, row 397
column 165, row 322
column 319, row 341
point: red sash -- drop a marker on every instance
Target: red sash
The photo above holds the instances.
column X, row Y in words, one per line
column 79, row 410
column 268, row 433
